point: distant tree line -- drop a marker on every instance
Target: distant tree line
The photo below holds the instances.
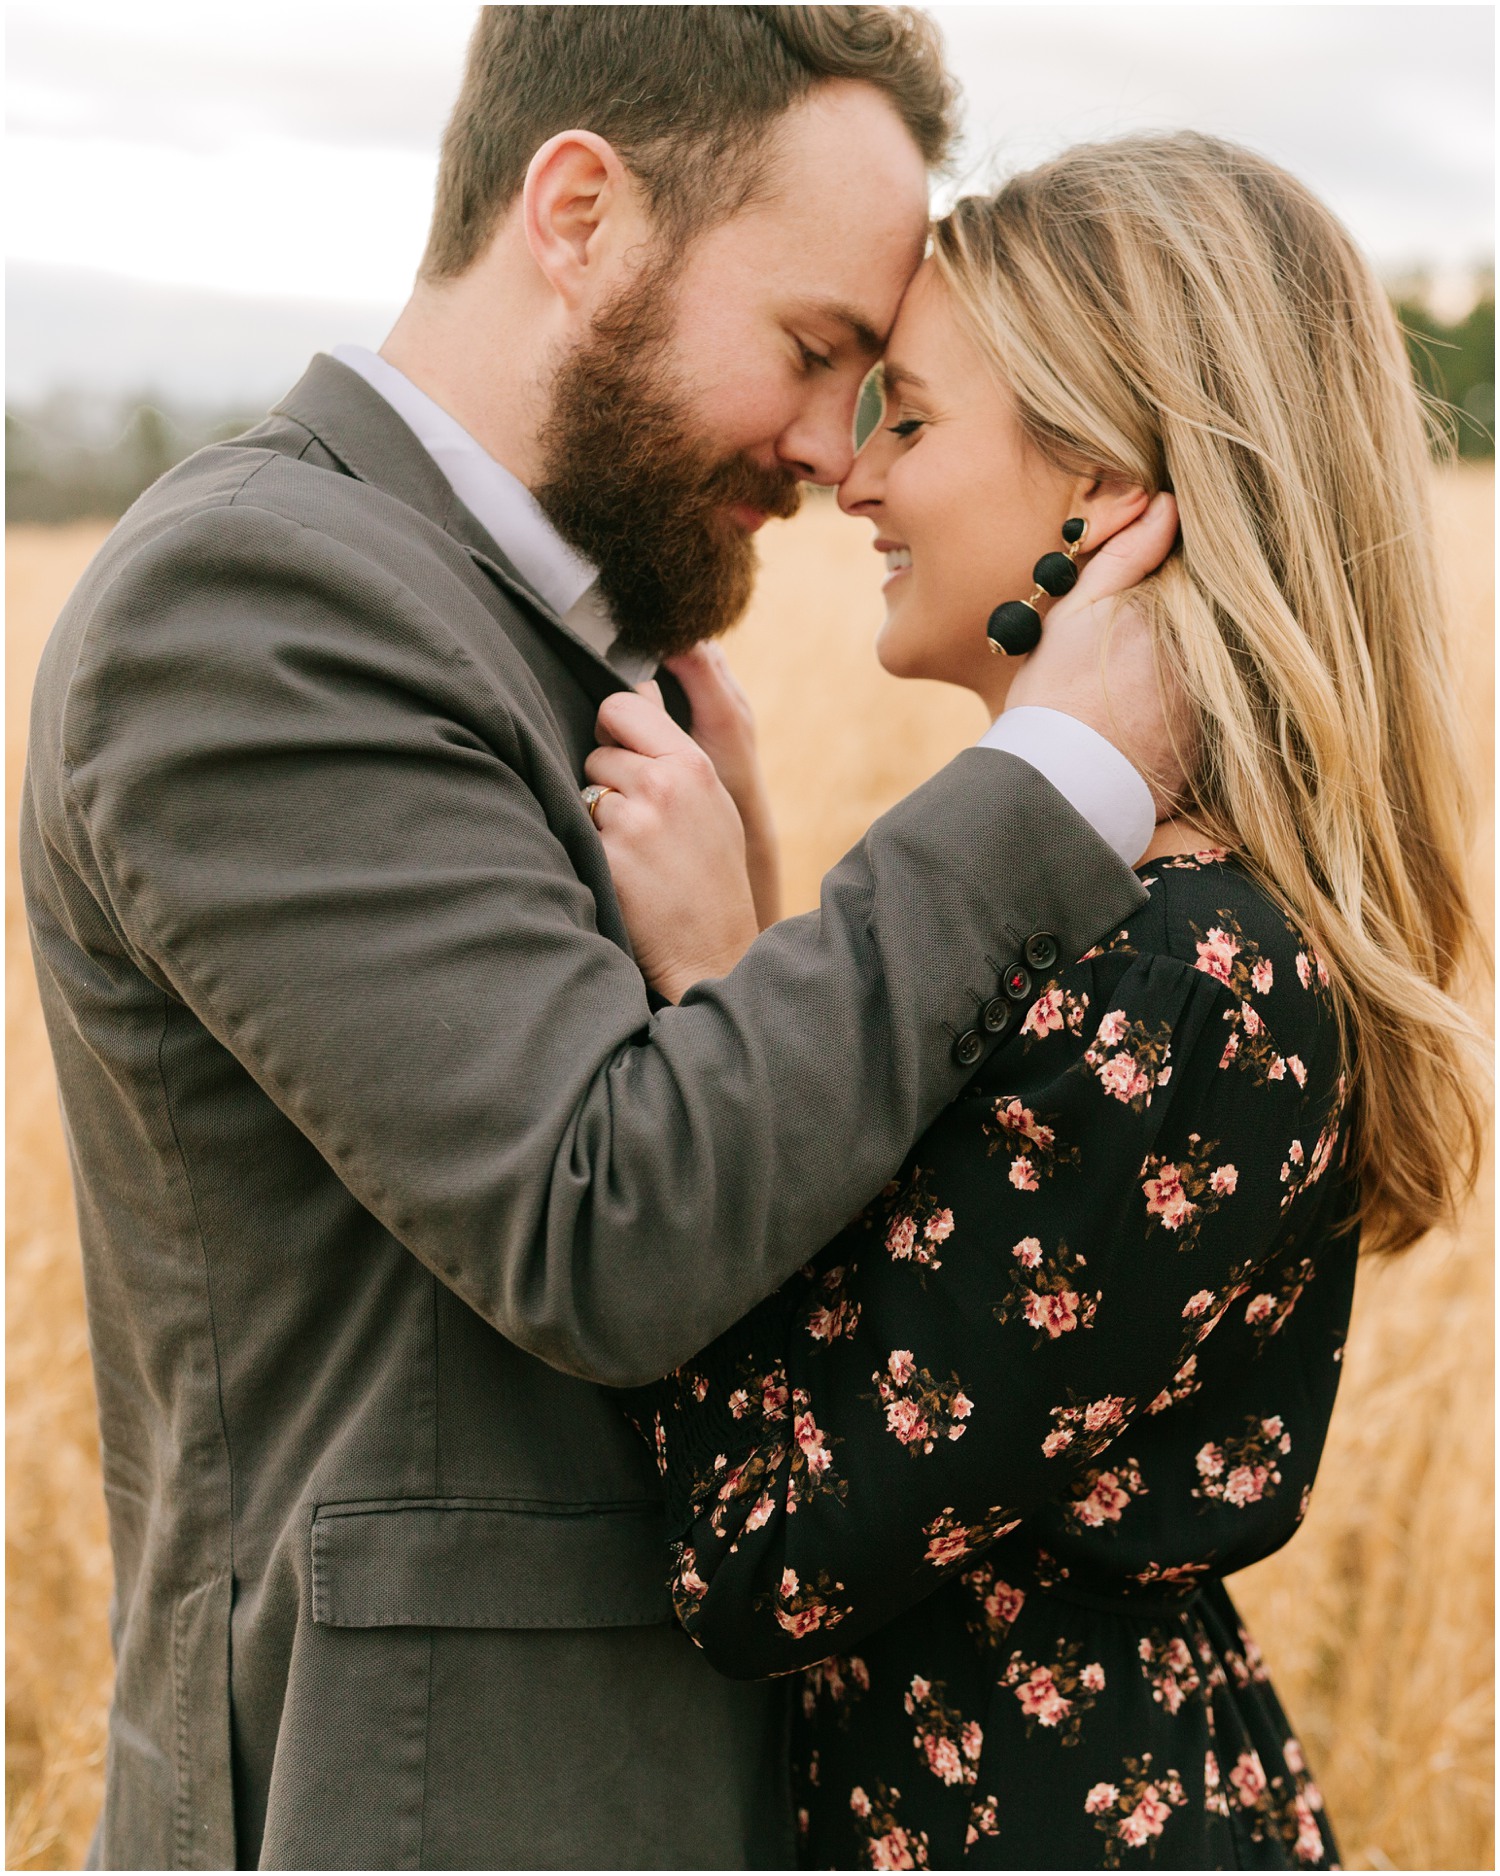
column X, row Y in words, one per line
column 72, row 457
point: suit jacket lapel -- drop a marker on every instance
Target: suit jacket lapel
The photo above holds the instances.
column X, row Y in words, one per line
column 354, row 422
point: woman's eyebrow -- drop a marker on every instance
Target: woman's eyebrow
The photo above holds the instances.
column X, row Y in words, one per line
column 894, row 377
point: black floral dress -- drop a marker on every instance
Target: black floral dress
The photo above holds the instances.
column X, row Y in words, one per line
column 978, row 1472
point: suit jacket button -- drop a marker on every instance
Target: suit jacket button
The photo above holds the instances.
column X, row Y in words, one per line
column 1041, row 951
column 968, row 1049
column 1017, row 983
column 996, row 1016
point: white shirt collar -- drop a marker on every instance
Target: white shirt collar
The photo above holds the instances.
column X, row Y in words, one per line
column 501, row 503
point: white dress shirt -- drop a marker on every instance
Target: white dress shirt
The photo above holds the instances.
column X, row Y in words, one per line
column 1105, row 788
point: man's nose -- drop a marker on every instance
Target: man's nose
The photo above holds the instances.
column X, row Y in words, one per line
column 819, row 444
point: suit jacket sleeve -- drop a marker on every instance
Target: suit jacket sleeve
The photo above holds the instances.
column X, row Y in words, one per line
column 314, row 821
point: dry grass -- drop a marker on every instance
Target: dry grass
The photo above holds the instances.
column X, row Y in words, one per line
column 1376, row 1620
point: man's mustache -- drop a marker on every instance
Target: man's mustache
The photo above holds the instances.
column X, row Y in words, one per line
column 774, row 492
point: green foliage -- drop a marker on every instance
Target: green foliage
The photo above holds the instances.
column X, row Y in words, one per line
column 1456, row 365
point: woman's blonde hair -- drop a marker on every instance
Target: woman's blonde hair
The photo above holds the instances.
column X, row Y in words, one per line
column 1181, row 313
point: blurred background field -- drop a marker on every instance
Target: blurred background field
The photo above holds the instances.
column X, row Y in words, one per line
column 1377, row 1619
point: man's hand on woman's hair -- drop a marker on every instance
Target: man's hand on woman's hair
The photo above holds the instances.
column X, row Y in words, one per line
column 1095, row 660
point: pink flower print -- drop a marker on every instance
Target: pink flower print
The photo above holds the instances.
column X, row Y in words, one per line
column 1092, row 1677
column 760, row 1512
column 920, row 1689
column 1231, row 1049
column 973, row 1740
column 1104, row 1503
column 1277, row 1070
column 1292, row 1753
column 1146, row 1820
column 739, row 1403
column 1028, row 1252
column 1251, row 1019
column 1023, row 1175
column 1261, row 977
column 789, row 1582
column 1199, row 1303
column 700, row 1387
column 1223, row 1180
column 688, row 1579
column 773, row 1397
column 1246, row 1485
column 901, row 1237
column 943, row 1759
column 961, row 1406
column 1101, row 1798
column 906, row 1420
column 1216, row 954
column 901, row 1365
column 1057, row 1442
column 1018, row 1119
column 1209, row 1461
column 892, row 1851
column 1259, row 1307
column 1249, row 1779
column 1056, row 1313
column 800, row 1622
column 938, row 1227
column 1044, row 1015
column 947, row 1546
column 1039, row 1697
column 1165, row 1198
column 1299, row 1072
column 808, row 1436
column 1003, row 1605
column 1309, row 1845
column 1112, row 1026
column 1103, row 1413
column 1121, row 1076
column 859, row 1803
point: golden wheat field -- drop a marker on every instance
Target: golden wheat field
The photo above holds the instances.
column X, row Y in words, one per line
column 1376, row 1621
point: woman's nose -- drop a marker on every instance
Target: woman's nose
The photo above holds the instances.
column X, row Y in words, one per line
column 859, row 492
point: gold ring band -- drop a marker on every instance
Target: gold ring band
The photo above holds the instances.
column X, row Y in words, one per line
column 594, row 794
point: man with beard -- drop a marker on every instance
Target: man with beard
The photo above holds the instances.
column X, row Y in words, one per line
column 384, row 1159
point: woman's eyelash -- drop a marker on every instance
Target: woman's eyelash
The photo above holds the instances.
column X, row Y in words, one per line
column 907, row 427
column 811, row 359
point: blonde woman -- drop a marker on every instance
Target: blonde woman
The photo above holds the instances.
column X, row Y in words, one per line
column 979, row 1472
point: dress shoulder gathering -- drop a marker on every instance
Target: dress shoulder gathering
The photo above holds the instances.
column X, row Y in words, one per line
column 976, row 1474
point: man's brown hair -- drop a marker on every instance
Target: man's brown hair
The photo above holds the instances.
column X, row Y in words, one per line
column 686, row 94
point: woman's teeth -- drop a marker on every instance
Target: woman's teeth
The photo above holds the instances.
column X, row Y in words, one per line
column 897, row 559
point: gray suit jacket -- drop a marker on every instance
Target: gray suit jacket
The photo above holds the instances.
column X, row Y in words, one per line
column 384, row 1163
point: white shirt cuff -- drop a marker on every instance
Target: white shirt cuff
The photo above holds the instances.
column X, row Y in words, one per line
column 1086, row 770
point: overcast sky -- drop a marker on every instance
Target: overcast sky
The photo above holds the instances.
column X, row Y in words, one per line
column 200, row 195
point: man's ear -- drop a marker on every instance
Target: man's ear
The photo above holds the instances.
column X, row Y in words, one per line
column 1108, row 504
column 574, row 184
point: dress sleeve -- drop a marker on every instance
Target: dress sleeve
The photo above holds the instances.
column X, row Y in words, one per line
column 1038, row 1276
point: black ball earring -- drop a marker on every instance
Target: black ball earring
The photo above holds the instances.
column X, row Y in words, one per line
column 1016, row 627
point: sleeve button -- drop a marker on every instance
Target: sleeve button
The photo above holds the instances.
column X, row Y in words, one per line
column 996, row 1016
column 1017, row 983
column 1041, row 951
column 968, row 1049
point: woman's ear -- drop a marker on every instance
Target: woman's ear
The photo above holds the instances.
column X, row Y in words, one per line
column 575, row 188
column 1108, row 504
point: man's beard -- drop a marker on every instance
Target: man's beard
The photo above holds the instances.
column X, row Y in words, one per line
column 626, row 482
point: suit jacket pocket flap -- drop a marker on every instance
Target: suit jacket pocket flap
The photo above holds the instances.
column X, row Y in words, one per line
column 445, row 1563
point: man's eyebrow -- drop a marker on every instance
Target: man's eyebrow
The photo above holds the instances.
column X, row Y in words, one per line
column 859, row 328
